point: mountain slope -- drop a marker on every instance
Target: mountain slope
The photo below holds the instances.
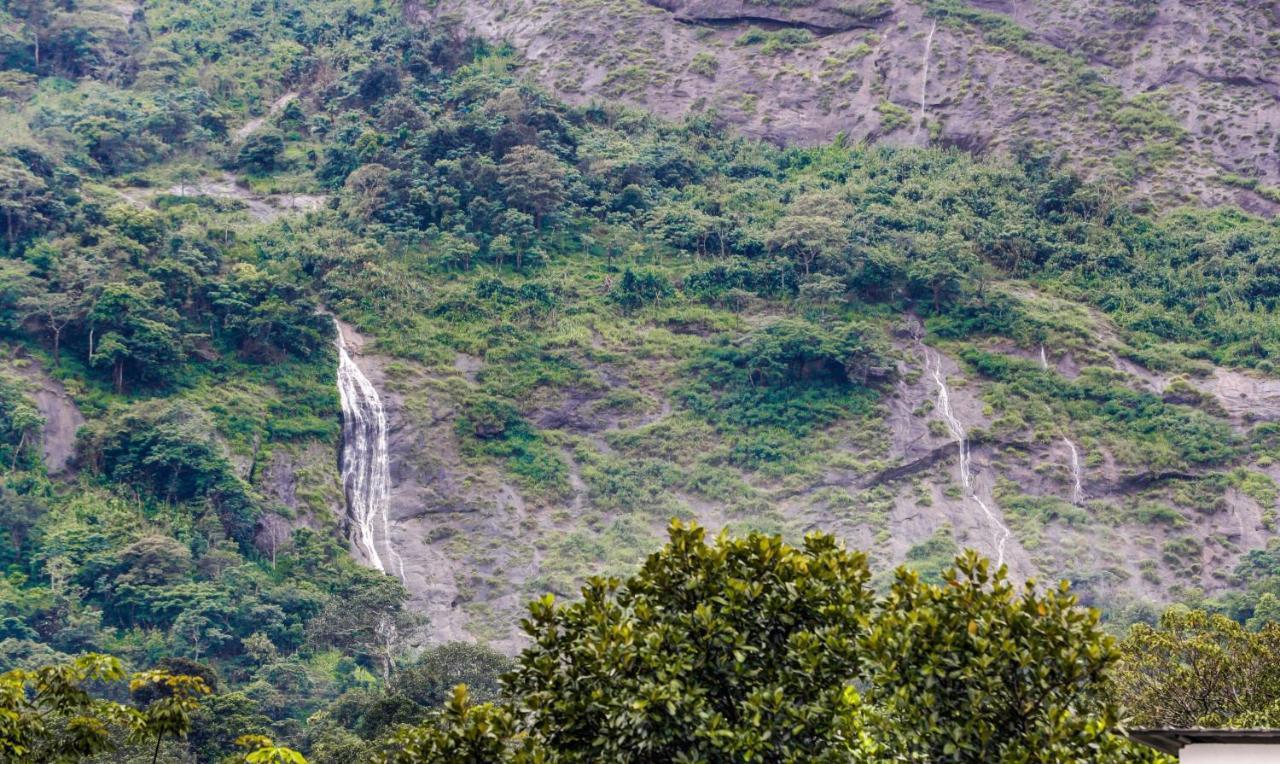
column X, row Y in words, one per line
column 1178, row 99
column 583, row 321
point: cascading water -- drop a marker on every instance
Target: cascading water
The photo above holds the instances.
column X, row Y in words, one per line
column 933, row 365
column 924, row 79
column 1077, row 493
column 366, row 472
column 1044, row 359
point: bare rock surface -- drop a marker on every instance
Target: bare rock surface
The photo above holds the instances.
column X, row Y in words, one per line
column 1185, row 93
column 62, row 419
column 823, row 17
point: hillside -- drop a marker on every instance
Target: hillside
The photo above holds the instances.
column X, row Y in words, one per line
column 1178, row 99
column 564, row 324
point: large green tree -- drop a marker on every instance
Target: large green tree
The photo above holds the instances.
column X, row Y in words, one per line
column 534, row 181
column 749, row 649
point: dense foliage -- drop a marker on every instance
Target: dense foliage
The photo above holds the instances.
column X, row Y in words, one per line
column 751, row 650
column 457, row 209
column 1197, row 669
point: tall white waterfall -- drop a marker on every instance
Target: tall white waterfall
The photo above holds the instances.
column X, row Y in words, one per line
column 1077, row 493
column 366, row 472
column 1044, row 360
column 933, row 365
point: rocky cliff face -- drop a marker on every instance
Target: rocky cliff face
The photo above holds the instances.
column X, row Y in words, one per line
column 1177, row 99
column 477, row 544
column 818, row 17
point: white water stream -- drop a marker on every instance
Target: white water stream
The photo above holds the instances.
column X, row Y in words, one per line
column 924, row 79
column 1077, row 493
column 1044, row 359
column 933, row 365
column 366, row 472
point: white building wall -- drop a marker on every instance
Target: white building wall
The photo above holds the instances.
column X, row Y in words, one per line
column 1230, row 753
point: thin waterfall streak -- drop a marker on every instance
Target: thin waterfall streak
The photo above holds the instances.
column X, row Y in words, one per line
column 1044, row 360
column 1077, row 493
column 366, row 473
column 924, row 79
column 933, row 364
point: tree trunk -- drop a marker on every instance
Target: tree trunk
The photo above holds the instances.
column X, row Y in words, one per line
column 22, row 442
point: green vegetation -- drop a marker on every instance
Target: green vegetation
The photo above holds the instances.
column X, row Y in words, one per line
column 1196, row 669
column 748, row 647
column 618, row 319
column 777, row 41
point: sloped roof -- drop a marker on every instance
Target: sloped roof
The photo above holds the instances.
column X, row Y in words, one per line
column 1171, row 740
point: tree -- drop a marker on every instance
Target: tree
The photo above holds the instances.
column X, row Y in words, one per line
column 262, row 750
column 807, row 238
column 815, row 227
column 17, row 286
column 140, row 331
column 169, row 714
column 65, row 299
column 431, row 679
column 534, row 181
column 20, row 425
column 749, row 649
column 684, row 226
column 462, row 733
column 267, row 315
column 273, row 534
column 972, row 670
column 519, row 228
column 367, row 620
column 500, row 249
column 49, row 714
column 367, row 191
column 25, row 201
column 20, row 514
column 637, row 289
column 37, row 14
column 938, row 267
column 260, row 151
column 220, row 720
column 1198, row 669
column 714, row 652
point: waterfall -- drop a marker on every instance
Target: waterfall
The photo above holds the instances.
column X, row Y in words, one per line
column 1077, row 493
column 366, row 472
column 933, row 365
column 1044, row 360
column 924, row 79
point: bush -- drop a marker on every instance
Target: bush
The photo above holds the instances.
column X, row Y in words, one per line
column 260, row 151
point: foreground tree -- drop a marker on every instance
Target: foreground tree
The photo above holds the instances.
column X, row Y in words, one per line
column 1198, row 669
column 463, row 733
column 973, row 670
column 50, row 714
column 752, row 650
column 729, row 651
